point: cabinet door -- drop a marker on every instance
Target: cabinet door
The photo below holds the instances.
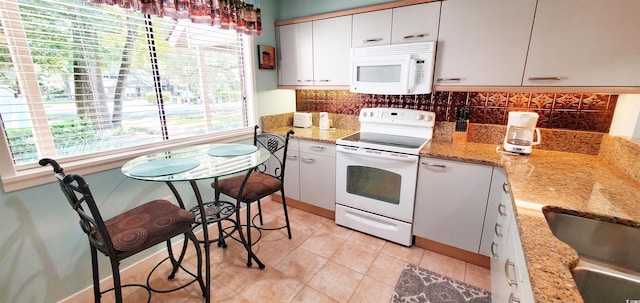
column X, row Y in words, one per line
column 317, row 180
column 495, row 209
column 296, row 54
column 415, row 23
column 292, row 173
column 483, row 42
column 585, row 43
column 373, row 28
column 331, row 51
column 451, row 200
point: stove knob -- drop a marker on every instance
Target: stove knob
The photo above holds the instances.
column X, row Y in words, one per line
column 419, row 117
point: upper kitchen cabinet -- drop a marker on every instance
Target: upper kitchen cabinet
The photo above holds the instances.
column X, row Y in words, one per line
column 585, row 43
column 331, row 51
column 372, row 28
column 315, row 52
column 295, row 66
column 415, row 23
column 483, row 42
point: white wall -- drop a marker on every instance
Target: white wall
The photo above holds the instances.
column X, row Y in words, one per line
column 626, row 119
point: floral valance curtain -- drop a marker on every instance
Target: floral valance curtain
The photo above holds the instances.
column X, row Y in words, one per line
column 242, row 16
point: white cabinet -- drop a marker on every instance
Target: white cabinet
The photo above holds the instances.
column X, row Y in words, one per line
column 292, row 171
column 415, row 23
column 483, row 42
column 509, row 275
column 406, row 24
column 331, row 51
column 372, row 28
column 317, row 174
column 494, row 219
column 295, row 66
column 585, row 43
column 451, row 199
column 315, row 53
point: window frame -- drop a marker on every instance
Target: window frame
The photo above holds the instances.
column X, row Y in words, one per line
column 16, row 177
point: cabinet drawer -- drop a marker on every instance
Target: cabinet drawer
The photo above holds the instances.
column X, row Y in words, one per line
column 317, row 148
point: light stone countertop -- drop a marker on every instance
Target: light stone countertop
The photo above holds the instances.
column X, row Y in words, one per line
column 577, row 182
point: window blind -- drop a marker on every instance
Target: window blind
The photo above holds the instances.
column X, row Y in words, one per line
column 79, row 78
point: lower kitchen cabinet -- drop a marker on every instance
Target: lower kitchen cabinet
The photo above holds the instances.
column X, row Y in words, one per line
column 451, row 199
column 509, row 276
column 292, row 171
column 311, row 172
column 495, row 219
column 318, row 174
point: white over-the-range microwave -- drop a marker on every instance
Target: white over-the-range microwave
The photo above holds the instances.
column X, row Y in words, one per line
column 399, row 69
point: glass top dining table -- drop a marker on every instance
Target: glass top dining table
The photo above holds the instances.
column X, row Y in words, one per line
column 190, row 164
column 199, row 162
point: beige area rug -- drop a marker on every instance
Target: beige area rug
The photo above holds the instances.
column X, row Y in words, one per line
column 420, row 285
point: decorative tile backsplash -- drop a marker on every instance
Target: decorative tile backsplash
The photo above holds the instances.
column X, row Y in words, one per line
column 571, row 111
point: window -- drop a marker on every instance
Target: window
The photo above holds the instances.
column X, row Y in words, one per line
column 80, row 81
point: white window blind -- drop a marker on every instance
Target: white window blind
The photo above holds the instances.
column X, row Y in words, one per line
column 78, row 79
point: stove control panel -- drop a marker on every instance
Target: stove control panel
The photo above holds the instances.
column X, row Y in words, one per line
column 397, row 116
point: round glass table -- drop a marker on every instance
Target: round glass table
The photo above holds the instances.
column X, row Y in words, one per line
column 208, row 161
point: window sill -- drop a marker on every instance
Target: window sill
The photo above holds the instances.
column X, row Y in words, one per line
column 34, row 176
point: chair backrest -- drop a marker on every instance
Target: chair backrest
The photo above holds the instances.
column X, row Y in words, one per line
column 79, row 196
column 277, row 146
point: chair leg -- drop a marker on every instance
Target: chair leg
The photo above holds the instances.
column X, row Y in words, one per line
column 196, row 244
column 96, row 275
column 249, row 233
column 286, row 213
column 260, row 213
column 117, row 284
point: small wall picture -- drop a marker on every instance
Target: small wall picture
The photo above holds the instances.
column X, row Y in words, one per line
column 266, row 57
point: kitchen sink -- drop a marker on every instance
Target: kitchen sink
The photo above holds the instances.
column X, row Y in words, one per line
column 609, row 265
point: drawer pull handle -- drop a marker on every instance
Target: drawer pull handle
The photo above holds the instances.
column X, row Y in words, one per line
column 513, row 299
column 371, row 40
column 498, row 230
column 320, row 147
column 307, row 159
column 292, row 157
column 324, row 80
column 508, row 264
column 502, row 210
column 449, row 79
column 505, row 188
column 305, row 80
column 415, row 36
column 544, row 79
column 434, row 165
column 494, row 248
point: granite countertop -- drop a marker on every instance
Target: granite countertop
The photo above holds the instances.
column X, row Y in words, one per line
column 576, row 182
column 313, row 133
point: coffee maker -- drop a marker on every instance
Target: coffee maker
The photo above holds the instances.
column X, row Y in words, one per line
column 520, row 129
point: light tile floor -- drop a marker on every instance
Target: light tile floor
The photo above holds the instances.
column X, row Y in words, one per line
column 322, row 263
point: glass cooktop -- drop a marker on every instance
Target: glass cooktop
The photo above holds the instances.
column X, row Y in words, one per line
column 386, row 140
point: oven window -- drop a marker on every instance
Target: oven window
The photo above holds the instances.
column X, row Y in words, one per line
column 379, row 73
column 374, row 183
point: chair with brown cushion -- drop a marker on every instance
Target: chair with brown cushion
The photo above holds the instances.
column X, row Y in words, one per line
column 128, row 233
column 265, row 180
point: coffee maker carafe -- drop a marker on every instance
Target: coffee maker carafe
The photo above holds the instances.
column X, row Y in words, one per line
column 520, row 129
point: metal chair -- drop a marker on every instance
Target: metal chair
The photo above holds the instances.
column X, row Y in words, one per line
column 128, row 233
column 265, row 180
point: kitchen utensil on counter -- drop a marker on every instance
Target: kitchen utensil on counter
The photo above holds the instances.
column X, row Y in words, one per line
column 521, row 127
column 462, row 124
column 302, row 119
column 324, row 120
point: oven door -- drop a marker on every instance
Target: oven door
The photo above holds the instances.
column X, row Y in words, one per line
column 375, row 181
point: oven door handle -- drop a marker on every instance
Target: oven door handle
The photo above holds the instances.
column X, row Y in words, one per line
column 378, row 154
